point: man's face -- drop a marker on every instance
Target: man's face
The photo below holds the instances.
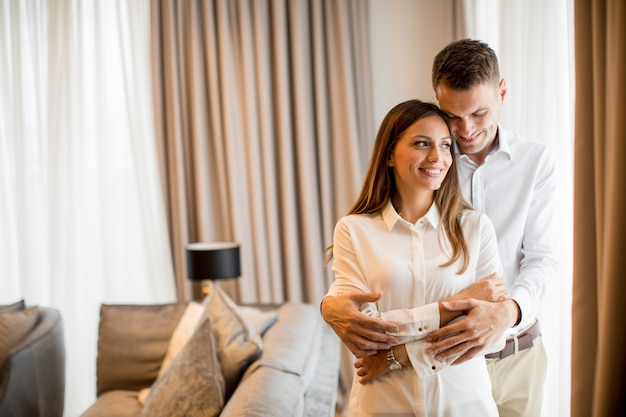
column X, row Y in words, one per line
column 474, row 116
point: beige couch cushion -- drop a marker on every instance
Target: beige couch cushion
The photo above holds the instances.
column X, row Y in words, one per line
column 115, row 403
column 132, row 343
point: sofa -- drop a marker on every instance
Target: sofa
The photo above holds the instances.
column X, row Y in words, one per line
column 217, row 358
column 32, row 361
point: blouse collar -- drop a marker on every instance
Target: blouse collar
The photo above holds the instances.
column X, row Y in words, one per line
column 391, row 216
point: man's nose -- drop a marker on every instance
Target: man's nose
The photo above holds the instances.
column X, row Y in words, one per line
column 462, row 126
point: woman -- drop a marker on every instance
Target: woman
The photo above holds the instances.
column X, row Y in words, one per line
column 412, row 236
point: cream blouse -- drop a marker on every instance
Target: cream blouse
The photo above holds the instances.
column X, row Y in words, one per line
column 383, row 252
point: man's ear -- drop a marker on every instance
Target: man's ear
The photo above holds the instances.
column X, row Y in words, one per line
column 502, row 90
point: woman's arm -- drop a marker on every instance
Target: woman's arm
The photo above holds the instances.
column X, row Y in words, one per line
column 491, row 289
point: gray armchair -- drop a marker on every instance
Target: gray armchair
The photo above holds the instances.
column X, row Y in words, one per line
column 35, row 369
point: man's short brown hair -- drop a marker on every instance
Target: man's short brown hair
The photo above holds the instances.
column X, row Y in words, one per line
column 464, row 64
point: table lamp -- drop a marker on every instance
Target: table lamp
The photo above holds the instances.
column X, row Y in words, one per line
column 211, row 261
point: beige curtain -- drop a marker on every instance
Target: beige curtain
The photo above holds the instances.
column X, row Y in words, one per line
column 262, row 108
column 599, row 334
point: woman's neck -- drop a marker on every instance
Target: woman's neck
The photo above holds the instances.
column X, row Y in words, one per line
column 414, row 207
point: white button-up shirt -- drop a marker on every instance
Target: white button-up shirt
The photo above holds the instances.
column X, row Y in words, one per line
column 516, row 187
column 383, row 252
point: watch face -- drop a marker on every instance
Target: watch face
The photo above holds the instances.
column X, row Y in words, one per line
column 395, row 366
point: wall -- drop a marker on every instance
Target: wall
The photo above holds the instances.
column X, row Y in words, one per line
column 405, row 36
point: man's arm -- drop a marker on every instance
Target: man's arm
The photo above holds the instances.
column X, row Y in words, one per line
column 362, row 334
column 484, row 325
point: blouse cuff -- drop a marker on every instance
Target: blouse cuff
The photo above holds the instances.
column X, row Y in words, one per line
column 424, row 364
column 415, row 323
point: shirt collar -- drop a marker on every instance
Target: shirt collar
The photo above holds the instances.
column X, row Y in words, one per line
column 503, row 143
column 391, row 216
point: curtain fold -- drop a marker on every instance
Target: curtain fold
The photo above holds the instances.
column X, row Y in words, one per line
column 599, row 338
column 262, row 109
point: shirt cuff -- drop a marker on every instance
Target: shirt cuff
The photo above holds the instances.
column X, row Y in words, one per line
column 414, row 323
column 525, row 304
column 424, row 364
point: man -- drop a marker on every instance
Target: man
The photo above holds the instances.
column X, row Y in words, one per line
column 513, row 181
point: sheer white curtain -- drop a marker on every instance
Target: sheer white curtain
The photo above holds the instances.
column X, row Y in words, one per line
column 81, row 210
column 534, row 43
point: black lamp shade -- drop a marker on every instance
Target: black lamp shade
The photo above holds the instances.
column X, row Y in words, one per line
column 213, row 260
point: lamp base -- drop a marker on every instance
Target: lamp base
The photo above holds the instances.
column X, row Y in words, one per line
column 200, row 289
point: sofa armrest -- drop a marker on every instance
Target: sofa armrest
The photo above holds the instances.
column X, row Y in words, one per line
column 36, row 370
column 320, row 399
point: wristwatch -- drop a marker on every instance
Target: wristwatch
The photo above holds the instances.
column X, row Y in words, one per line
column 392, row 362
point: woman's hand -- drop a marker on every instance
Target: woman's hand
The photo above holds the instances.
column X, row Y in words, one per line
column 491, row 289
column 371, row 367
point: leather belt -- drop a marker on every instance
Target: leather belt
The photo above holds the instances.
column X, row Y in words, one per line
column 517, row 342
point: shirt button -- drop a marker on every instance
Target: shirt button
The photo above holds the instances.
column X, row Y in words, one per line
column 419, row 329
column 426, row 327
column 433, row 367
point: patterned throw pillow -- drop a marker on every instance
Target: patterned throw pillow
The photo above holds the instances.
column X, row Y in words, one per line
column 183, row 332
column 238, row 344
column 193, row 384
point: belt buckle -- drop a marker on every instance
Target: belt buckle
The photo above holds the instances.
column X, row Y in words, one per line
column 515, row 344
column 525, row 334
column 515, row 341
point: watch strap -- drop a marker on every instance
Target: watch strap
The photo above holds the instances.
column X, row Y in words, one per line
column 392, row 362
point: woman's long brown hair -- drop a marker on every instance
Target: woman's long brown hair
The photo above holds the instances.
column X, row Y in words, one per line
column 379, row 184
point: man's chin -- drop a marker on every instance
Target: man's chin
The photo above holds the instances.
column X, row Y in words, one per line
column 468, row 148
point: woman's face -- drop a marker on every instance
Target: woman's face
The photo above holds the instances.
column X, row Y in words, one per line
column 422, row 156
